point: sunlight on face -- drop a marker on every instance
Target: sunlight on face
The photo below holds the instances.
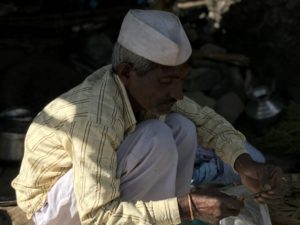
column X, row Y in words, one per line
column 157, row 90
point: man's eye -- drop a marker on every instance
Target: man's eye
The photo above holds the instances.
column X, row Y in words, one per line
column 166, row 80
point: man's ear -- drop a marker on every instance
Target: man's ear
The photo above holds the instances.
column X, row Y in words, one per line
column 124, row 72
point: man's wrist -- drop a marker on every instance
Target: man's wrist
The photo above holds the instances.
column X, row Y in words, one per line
column 184, row 210
column 243, row 161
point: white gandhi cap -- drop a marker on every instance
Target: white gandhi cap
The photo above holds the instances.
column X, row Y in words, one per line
column 155, row 35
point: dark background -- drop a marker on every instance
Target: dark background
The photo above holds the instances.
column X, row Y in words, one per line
column 47, row 47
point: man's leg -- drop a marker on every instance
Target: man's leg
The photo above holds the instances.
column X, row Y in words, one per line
column 184, row 133
column 156, row 161
column 147, row 163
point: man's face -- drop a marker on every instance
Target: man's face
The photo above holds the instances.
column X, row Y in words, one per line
column 157, row 90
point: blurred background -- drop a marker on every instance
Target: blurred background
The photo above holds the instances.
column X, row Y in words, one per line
column 245, row 65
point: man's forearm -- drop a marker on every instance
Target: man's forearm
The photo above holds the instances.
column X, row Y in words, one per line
column 242, row 162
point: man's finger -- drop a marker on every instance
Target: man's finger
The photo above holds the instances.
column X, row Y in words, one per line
column 268, row 200
column 270, row 177
column 233, row 203
column 276, row 176
column 270, row 196
column 252, row 184
column 233, row 212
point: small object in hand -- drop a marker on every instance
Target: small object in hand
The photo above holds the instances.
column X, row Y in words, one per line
column 250, row 196
column 267, row 187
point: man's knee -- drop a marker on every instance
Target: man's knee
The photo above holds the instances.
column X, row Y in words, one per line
column 157, row 136
column 152, row 143
column 181, row 125
column 154, row 129
column 149, row 153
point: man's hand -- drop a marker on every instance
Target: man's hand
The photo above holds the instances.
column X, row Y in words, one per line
column 264, row 179
column 210, row 205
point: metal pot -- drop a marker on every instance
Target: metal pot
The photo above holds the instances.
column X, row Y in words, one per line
column 11, row 146
column 262, row 105
column 14, row 123
column 15, row 120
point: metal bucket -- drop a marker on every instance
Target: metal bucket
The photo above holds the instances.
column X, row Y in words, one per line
column 262, row 105
column 11, row 146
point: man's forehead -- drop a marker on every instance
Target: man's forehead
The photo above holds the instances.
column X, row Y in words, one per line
column 169, row 70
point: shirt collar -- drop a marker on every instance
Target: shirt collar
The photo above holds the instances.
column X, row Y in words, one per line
column 129, row 117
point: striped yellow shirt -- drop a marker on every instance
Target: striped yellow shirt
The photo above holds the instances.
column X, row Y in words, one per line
column 83, row 129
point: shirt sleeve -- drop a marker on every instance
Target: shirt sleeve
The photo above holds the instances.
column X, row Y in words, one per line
column 96, row 185
column 213, row 130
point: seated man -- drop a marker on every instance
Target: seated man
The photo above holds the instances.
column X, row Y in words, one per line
column 119, row 148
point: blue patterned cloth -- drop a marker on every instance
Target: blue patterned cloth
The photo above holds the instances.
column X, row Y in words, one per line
column 210, row 169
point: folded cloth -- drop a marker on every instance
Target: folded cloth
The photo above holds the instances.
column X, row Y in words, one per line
column 210, row 169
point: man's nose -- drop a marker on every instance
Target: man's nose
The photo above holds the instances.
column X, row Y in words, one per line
column 176, row 91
